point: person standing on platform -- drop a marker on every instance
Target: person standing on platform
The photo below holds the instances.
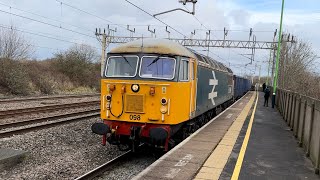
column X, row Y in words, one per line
column 266, row 96
column 263, row 87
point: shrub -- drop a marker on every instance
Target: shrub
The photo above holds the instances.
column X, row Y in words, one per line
column 71, row 71
column 78, row 63
column 14, row 77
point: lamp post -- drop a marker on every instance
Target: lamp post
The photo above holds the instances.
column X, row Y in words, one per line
column 271, row 52
column 277, row 60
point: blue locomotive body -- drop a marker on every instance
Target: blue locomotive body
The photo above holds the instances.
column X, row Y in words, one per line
column 241, row 86
column 214, row 88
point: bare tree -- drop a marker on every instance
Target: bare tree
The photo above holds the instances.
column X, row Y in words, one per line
column 295, row 71
column 13, row 46
column 83, row 52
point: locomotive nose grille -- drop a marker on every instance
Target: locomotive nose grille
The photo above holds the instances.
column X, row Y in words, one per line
column 134, row 103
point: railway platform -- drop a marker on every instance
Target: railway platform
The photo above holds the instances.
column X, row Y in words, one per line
column 246, row 141
column 10, row 157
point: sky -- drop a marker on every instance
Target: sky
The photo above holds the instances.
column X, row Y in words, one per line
column 55, row 25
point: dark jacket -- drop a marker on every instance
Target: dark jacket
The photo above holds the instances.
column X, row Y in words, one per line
column 267, row 93
column 264, row 86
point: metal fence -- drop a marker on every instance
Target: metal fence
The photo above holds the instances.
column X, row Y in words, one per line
column 302, row 114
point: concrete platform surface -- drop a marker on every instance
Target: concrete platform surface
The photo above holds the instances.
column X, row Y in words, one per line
column 272, row 152
column 10, row 157
column 185, row 160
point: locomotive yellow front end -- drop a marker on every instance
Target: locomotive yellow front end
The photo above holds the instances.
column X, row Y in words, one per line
column 146, row 93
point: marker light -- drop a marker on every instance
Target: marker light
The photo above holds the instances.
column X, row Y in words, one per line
column 152, row 91
column 123, row 89
column 112, row 88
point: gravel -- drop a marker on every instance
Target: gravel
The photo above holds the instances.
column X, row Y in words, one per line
column 62, row 152
column 28, row 104
column 129, row 169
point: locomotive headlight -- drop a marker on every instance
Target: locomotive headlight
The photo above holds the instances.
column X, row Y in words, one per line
column 164, row 101
column 135, row 87
column 163, row 109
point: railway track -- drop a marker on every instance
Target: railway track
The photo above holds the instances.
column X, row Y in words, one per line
column 50, row 118
column 106, row 166
column 47, row 108
column 46, row 98
column 35, row 123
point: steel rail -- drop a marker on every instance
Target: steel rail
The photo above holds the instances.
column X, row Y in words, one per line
column 44, row 119
column 104, row 167
column 46, row 98
column 15, row 112
column 44, row 126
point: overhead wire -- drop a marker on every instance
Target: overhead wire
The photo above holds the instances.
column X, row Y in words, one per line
column 216, row 55
column 56, row 26
column 230, row 49
column 196, row 17
column 202, row 24
column 42, row 17
column 44, row 47
column 156, row 18
column 79, row 27
column 120, row 25
column 49, row 24
column 91, row 14
column 124, row 26
column 37, row 46
column 41, row 35
column 235, row 30
column 45, row 17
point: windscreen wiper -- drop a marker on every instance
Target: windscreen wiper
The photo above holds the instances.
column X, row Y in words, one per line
column 126, row 61
column 155, row 60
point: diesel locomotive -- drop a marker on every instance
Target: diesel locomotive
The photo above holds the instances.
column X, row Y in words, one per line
column 157, row 92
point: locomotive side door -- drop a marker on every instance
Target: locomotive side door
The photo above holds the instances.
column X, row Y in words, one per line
column 193, row 83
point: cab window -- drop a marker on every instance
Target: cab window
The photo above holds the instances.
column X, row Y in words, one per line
column 157, row 67
column 121, row 66
column 184, row 70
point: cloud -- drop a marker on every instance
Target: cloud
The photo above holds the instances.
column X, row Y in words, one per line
column 263, row 16
column 240, row 17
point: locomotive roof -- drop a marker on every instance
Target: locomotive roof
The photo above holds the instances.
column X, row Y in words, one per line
column 151, row 45
column 165, row 46
column 211, row 62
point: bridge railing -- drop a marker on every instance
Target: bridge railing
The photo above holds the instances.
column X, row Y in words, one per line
column 302, row 114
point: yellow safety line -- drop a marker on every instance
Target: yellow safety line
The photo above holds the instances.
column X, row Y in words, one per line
column 237, row 168
column 213, row 167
